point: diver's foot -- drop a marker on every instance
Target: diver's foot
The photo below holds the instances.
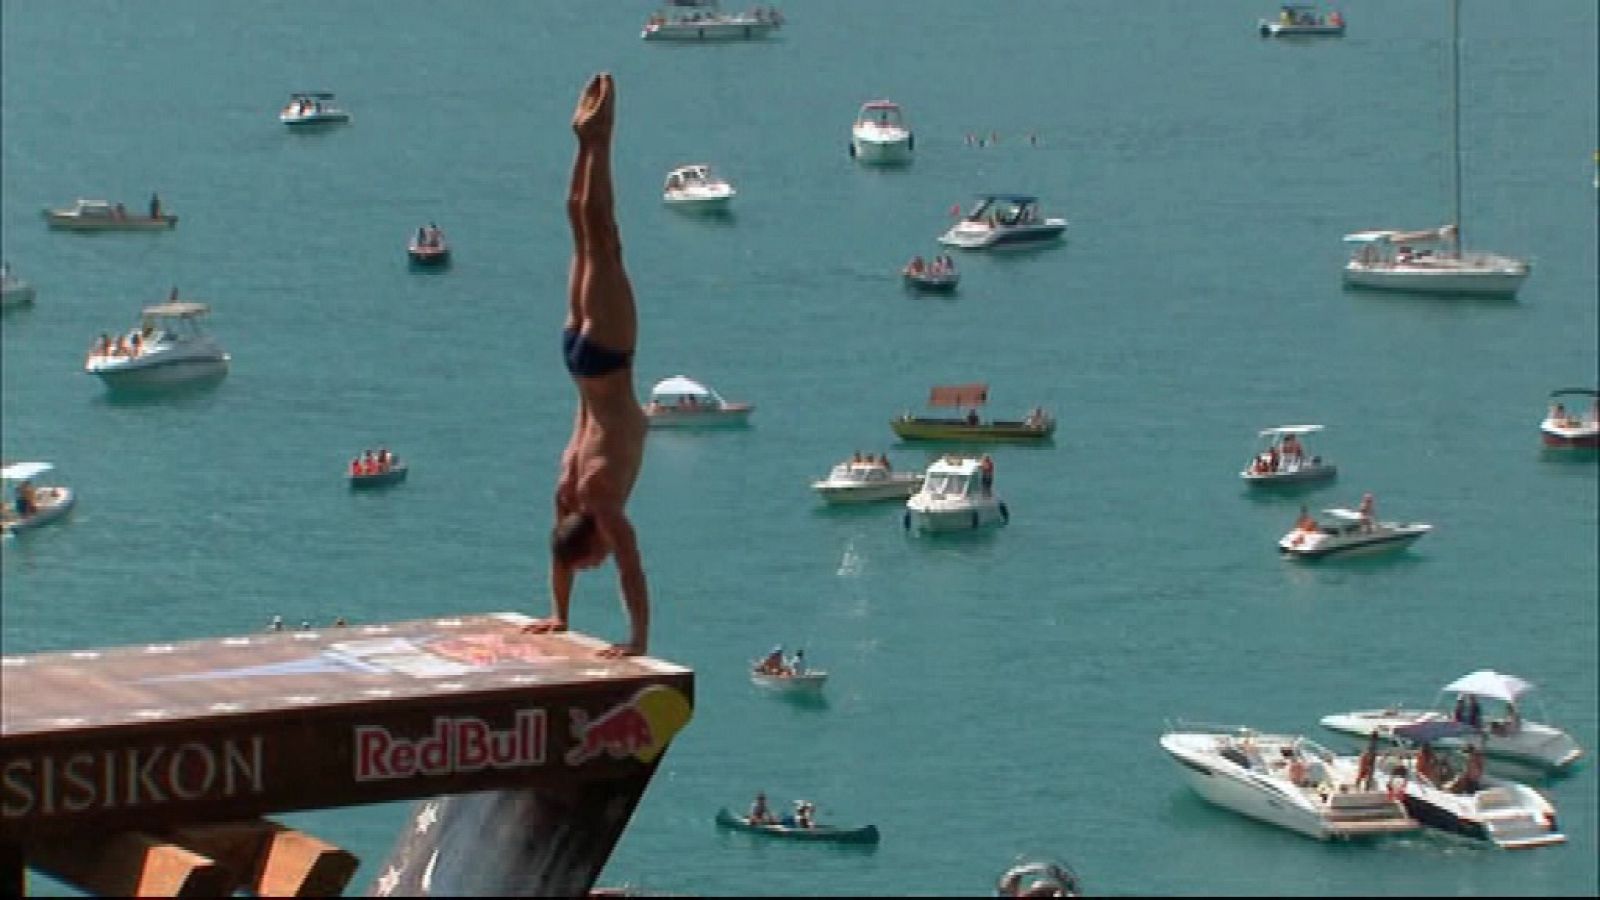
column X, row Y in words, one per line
column 593, row 119
column 551, row 625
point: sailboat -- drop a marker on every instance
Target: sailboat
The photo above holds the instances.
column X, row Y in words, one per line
column 1433, row 260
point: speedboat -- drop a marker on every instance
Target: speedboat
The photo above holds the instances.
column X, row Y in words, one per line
column 1514, row 743
column 787, row 677
column 702, row 20
column 45, row 503
column 859, row 480
column 1430, row 262
column 1562, row 428
column 880, row 134
column 307, row 109
column 13, row 290
column 788, row 828
column 1348, row 532
column 1284, row 460
column 957, row 494
column 697, row 187
column 1444, row 788
column 100, row 215
column 1037, row 425
column 428, row 247
column 1003, row 220
column 1302, row 20
column 1286, row 780
column 679, row 402
column 939, row 276
column 167, row 348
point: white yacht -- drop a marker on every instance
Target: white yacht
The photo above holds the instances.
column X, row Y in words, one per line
column 957, row 494
column 1445, row 789
column 1284, row 460
column 1287, row 780
column 13, row 290
column 44, row 503
column 1510, row 742
column 859, row 480
column 1003, row 220
column 1348, row 532
column 168, row 348
column 682, row 402
column 697, row 187
column 880, row 134
column 1434, row 261
column 311, row 108
column 703, row 20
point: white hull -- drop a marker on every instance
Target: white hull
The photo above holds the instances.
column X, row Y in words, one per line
column 1261, row 789
column 160, row 369
column 1298, row 474
column 807, row 683
column 873, row 146
column 1483, row 280
column 698, row 200
column 705, row 418
column 53, row 503
column 1533, row 745
column 1387, row 537
column 1506, row 814
column 841, row 494
column 961, row 515
column 1278, row 29
column 731, row 29
column 311, row 119
column 976, row 236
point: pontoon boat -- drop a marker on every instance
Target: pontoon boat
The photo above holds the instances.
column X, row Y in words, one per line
column 679, row 402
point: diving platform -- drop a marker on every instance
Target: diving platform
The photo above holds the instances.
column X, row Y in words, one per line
column 153, row 769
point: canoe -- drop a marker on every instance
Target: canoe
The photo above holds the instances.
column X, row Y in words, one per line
column 395, row 475
column 865, row 835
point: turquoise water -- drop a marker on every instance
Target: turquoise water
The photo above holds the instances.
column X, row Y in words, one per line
column 989, row 697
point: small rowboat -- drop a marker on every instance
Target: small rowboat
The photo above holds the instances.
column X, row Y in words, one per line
column 809, row 682
column 867, row 834
column 943, row 280
column 393, row 475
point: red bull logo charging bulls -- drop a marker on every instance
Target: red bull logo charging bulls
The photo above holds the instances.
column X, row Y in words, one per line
column 639, row 727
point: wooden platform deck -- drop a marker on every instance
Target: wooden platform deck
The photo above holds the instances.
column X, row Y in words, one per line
column 164, row 737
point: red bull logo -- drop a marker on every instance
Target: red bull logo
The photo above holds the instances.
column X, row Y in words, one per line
column 639, row 727
column 455, row 744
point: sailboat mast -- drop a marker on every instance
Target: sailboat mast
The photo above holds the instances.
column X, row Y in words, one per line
column 1455, row 115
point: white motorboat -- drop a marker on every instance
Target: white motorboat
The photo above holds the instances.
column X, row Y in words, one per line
column 1434, row 261
column 1568, row 429
column 957, row 494
column 682, row 402
column 789, row 676
column 311, row 108
column 861, row 480
column 1445, row 788
column 168, row 348
column 1286, row 780
column 1510, row 743
column 697, row 187
column 1302, row 20
column 880, row 134
column 703, row 20
column 1284, row 459
column 1003, row 220
column 30, row 504
column 1348, row 532
column 13, row 290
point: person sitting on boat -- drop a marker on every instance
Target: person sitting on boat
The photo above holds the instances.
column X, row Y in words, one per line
column 1305, row 522
column 27, row 504
column 1294, row 766
column 915, row 267
column 759, row 813
column 1292, row 448
column 369, row 463
column 1511, row 723
column 1470, row 781
column 422, row 236
column 135, row 341
column 1427, row 764
column 355, row 466
column 773, row 663
column 803, row 811
column 385, row 459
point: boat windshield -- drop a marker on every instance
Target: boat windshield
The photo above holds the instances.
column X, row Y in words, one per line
column 948, row 483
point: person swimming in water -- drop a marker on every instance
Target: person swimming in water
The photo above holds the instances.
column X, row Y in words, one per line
column 603, row 456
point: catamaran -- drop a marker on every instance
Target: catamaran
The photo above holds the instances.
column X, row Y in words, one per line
column 1434, row 261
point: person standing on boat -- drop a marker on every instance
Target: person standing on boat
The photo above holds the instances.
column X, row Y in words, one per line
column 602, row 459
column 1366, row 511
column 986, row 467
column 759, row 813
column 155, row 206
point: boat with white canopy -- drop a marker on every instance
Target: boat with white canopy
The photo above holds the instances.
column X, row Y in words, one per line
column 1348, row 532
column 1434, row 261
column 1503, row 734
column 1284, row 459
column 1286, row 780
column 31, row 504
column 880, row 134
column 1570, row 428
column 167, row 348
column 680, row 402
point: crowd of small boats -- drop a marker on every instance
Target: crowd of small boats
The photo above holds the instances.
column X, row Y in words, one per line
column 1448, row 771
